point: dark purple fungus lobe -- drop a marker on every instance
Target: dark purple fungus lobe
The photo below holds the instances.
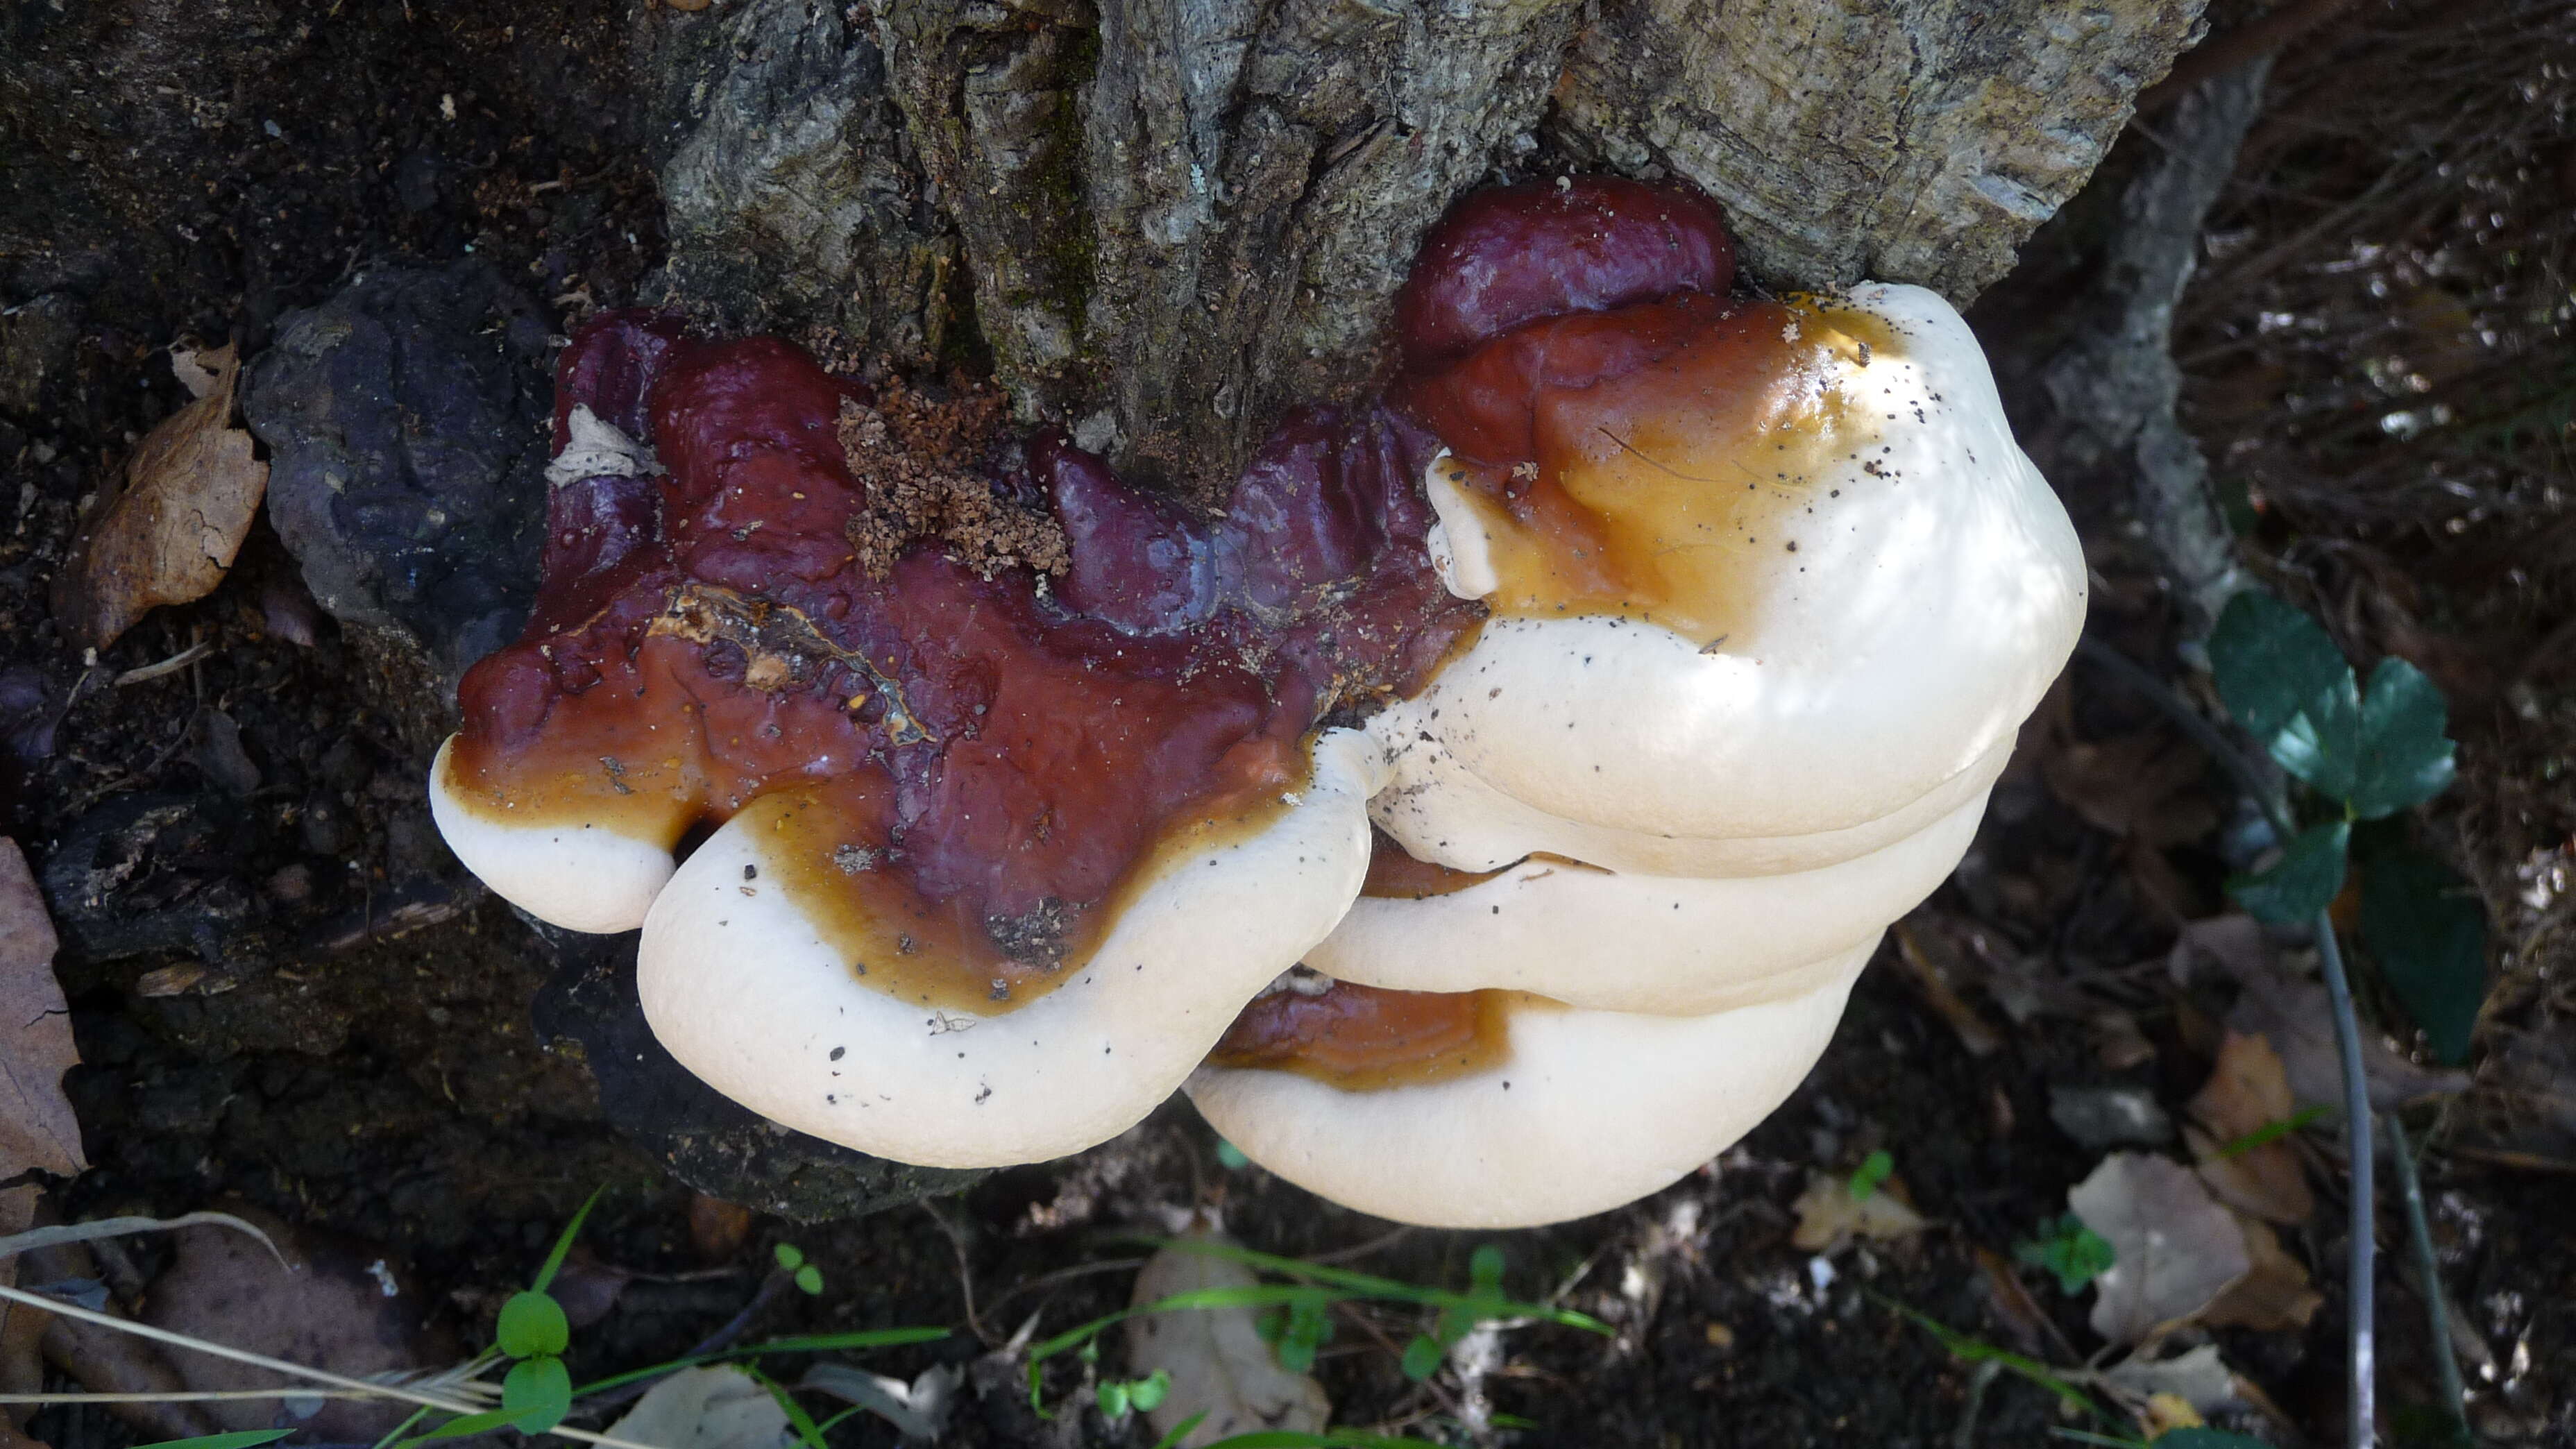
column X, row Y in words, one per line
column 1517, row 254
column 1000, row 747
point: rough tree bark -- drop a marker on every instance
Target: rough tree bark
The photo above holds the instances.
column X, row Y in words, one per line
column 1164, row 221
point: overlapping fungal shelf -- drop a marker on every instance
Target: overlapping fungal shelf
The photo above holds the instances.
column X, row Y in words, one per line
column 1485, row 816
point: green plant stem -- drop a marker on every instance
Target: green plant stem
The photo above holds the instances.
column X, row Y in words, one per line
column 2437, row 1305
column 2362, row 1352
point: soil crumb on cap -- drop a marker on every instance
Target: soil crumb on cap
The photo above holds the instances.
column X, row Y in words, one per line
column 916, row 459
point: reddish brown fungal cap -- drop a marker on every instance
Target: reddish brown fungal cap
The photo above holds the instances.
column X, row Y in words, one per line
column 1504, row 258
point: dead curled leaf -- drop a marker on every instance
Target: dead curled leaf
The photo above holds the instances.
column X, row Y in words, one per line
column 2199, row 1378
column 37, row 1128
column 2291, row 1013
column 2175, row 1249
column 2274, row 1292
column 1216, row 1356
column 708, row 1407
column 170, row 531
column 2247, row 1092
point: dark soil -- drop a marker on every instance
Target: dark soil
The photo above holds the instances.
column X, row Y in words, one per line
column 299, row 1001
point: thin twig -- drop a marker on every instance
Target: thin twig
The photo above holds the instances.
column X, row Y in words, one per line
column 146, row 673
column 279, row 1365
column 2437, row 1306
column 2361, row 1275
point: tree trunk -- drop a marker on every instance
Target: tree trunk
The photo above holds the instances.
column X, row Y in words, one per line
column 1165, row 221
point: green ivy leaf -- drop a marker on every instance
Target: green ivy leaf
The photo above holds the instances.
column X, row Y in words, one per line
column 1148, row 1393
column 2322, row 743
column 789, row 1256
column 1423, row 1356
column 2428, row 936
column 537, row 1393
column 2406, row 754
column 531, row 1324
column 809, row 1281
column 2302, row 882
column 1113, row 1399
column 2270, row 661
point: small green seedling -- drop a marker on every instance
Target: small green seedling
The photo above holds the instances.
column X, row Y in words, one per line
column 1424, row 1355
column 791, row 1260
column 1119, row 1397
column 537, row 1391
column 2072, row 1251
column 1873, row 1170
column 1296, row 1329
column 2364, row 754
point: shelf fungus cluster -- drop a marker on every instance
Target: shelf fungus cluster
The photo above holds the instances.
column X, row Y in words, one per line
column 1483, row 817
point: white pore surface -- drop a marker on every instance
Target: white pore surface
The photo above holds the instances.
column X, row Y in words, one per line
column 1673, row 945
column 1441, row 812
column 745, row 993
column 1940, row 596
column 578, row 876
column 1593, row 1109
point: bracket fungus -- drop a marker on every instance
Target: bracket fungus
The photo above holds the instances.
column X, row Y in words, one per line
column 1484, row 816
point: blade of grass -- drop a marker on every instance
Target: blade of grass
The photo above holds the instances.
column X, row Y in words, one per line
column 563, row 1242
column 2271, row 1132
column 1977, row 1350
column 2429, row 1268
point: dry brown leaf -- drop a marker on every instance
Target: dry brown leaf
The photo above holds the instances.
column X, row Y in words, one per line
column 717, row 1229
column 1216, row 1357
column 2142, row 786
column 2295, row 1017
column 2274, row 1293
column 1829, row 1216
column 1933, row 961
column 2246, row 1092
column 37, row 1128
column 334, row 1304
column 190, row 491
column 2200, row 1380
column 2233, row 942
column 2175, row 1249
